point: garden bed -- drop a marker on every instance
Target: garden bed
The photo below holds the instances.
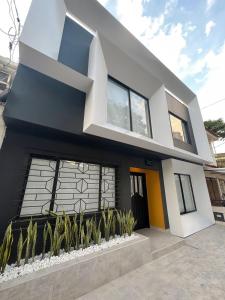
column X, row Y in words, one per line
column 76, row 277
column 12, row 271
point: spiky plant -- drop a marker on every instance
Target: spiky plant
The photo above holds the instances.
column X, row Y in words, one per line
column 34, row 240
column 50, row 234
column 82, row 237
column 75, row 233
column 113, row 226
column 67, row 232
column 44, row 238
column 96, row 232
column 30, row 240
column 5, row 248
column 107, row 222
column 58, row 236
column 130, row 222
column 20, row 246
column 88, row 235
column 120, row 216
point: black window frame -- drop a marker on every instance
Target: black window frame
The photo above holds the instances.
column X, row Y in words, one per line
column 57, row 159
column 129, row 90
column 184, row 128
column 182, row 193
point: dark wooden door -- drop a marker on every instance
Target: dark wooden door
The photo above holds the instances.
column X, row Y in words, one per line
column 139, row 199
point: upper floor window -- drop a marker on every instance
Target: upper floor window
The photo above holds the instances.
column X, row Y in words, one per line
column 179, row 129
column 127, row 109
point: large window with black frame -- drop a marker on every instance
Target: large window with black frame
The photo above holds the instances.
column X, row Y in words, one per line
column 67, row 186
column 127, row 109
column 179, row 129
column 185, row 193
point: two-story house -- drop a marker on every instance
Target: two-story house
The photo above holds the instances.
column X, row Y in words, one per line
column 215, row 178
column 95, row 120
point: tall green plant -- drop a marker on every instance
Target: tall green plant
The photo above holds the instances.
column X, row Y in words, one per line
column 44, row 239
column 5, row 248
column 130, row 222
column 20, row 246
column 67, row 232
column 75, row 233
column 107, row 222
column 96, row 231
column 34, row 240
column 121, row 222
column 30, row 240
column 81, row 231
column 88, row 235
column 82, row 236
column 113, row 226
column 57, row 236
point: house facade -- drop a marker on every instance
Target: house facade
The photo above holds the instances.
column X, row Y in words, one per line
column 215, row 178
column 95, row 120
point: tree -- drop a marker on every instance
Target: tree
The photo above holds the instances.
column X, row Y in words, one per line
column 217, row 127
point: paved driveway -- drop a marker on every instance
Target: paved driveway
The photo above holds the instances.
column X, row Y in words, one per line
column 194, row 271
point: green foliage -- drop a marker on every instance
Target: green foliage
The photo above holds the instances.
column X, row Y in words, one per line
column 130, row 222
column 67, row 232
column 82, row 235
column 96, row 231
column 217, row 127
column 113, row 226
column 20, row 246
column 56, row 237
column 75, row 233
column 88, row 235
column 107, row 217
column 5, row 248
column 34, row 240
column 44, row 237
column 120, row 216
column 30, row 240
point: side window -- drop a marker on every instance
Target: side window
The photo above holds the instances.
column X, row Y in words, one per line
column 185, row 193
column 179, row 129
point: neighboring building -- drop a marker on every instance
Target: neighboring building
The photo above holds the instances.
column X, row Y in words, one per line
column 7, row 72
column 95, row 120
column 220, row 160
column 215, row 178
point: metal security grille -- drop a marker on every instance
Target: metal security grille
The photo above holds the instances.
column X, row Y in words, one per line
column 38, row 194
column 77, row 187
column 70, row 186
column 108, row 187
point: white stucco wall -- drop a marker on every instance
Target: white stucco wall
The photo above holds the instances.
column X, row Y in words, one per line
column 44, row 26
column 187, row 224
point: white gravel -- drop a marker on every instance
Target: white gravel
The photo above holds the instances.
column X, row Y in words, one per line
column 12, row 271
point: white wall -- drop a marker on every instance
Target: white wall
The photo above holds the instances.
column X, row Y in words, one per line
column 187, row 224
column 161, row 128
column 44, row 26
column 96, row 105
column 199, row 131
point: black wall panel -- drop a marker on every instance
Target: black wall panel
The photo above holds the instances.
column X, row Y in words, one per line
column 74, row 48
column 41, row 100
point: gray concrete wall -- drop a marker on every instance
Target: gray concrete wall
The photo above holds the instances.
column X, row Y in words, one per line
column 79, row 276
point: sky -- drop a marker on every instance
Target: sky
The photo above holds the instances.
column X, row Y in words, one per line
column 187, row 36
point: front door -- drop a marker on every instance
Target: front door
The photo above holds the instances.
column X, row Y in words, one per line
column 139, row 199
